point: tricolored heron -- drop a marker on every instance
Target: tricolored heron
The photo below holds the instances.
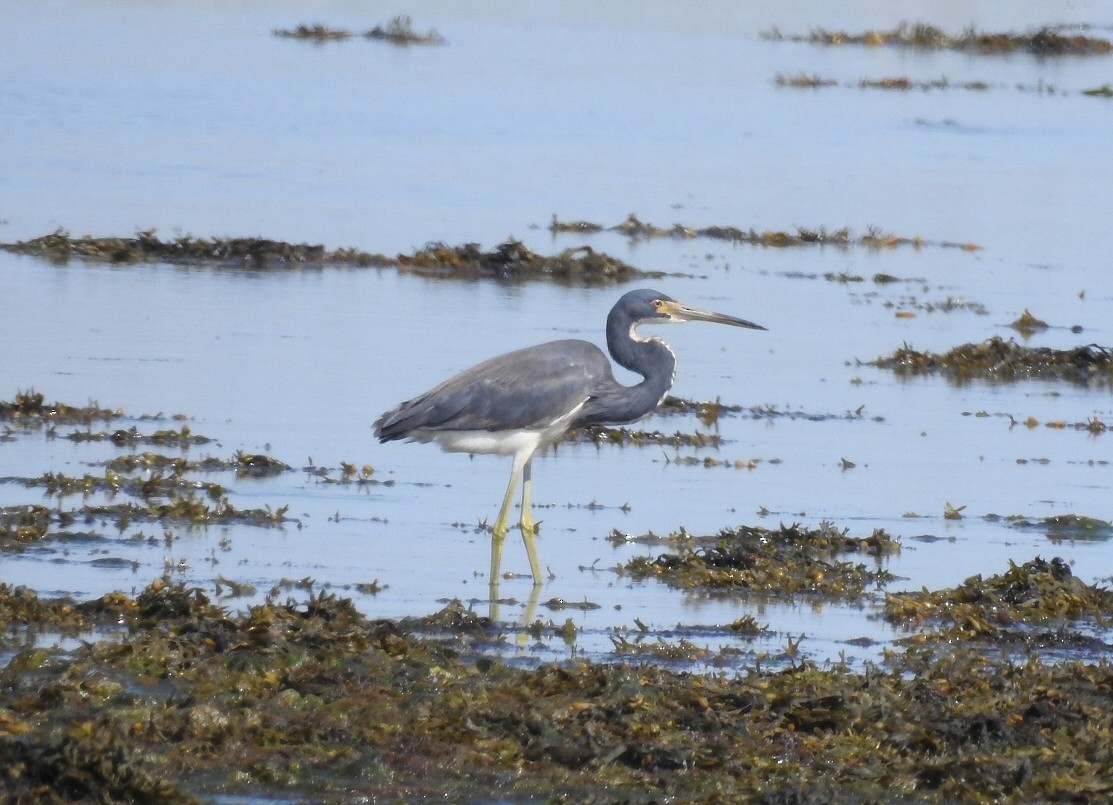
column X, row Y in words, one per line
column 518, row 403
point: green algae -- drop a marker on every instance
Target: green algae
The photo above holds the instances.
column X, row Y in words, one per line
column 788, row 561
column 1005, row 361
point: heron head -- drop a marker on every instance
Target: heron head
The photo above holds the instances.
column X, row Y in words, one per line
column 646, row 306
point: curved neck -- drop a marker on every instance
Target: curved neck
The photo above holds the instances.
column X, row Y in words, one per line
column 651, row 358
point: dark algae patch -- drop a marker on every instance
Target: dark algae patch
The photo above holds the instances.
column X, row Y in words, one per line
column 313, row 701
column 602, row 434
column 30, row 411
column 147, row 247
column 399, row 31
column 513, row 261
column 1048, row 41
column 509, row 261
column 787, row 561
column 636, row 229
column 1005, row 607
column 1026, row 324
column 1066, row 527
column 158, row 488
column 314, row 33
column 1006, row 361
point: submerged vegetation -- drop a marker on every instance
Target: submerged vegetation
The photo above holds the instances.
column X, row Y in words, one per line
column 29, row 410
column 399, row 31
column 1006, row 361
column 602, row 434
column 509, row 261
column 1066, row 527
column 791, row 560
column 903, row 83
column 636, row 229
column 513, row 261
column 1011, row 605
column 147, row 247
column 1048, row 41
column 709, row 412
column 898, row 83
column 160, row 487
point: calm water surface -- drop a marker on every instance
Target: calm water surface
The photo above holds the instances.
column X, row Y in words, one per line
column 110, row 126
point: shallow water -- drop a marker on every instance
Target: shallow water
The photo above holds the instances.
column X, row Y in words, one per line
column 112, row 126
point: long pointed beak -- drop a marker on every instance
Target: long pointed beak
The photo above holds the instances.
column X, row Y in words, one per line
column 681, row 312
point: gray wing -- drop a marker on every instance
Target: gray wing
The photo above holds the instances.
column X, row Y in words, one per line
column 525, row 389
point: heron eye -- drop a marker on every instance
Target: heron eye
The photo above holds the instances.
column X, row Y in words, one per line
column 657, row 303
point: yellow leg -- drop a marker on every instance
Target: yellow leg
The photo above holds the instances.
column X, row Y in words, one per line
column 499, row 529
column 529, row 528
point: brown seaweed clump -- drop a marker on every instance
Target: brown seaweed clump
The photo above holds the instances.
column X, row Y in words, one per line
column 789, row 561
column 1006, row 361
column 1047, row 41
column 1037, row 592
column 509, row 261
column 636, row 229
column 310, row 700
column 29, row 410
column 512, row 261
column 399, row 31
column 315, row 32
column 603, row 434
column 1065, row 527
column 147, row 247
column 1026, row 324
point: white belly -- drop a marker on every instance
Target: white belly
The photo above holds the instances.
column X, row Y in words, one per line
column 520, row 443
column 497, row 443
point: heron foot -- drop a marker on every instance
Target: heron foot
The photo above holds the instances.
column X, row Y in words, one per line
column 498, row 536
column 529, row 537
